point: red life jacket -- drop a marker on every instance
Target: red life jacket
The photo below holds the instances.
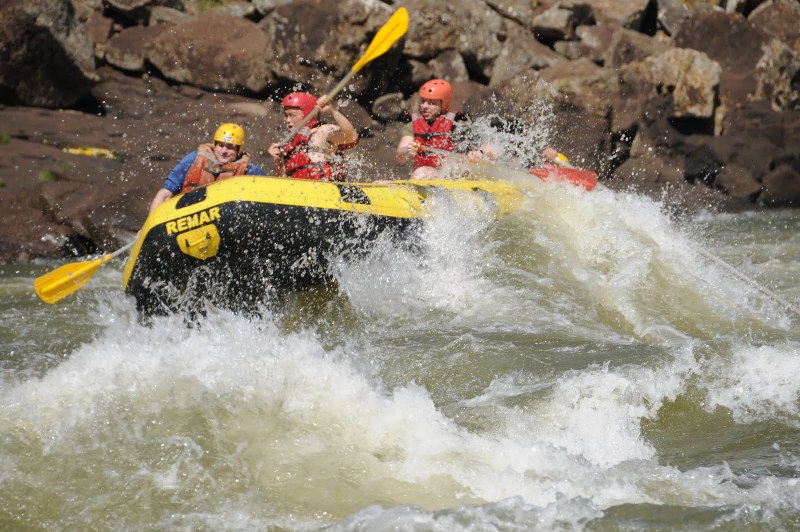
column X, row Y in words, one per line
column 299, row 165
column 437, row 134
column 206, row 169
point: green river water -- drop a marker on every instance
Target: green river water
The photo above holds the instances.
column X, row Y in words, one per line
column 581, row 364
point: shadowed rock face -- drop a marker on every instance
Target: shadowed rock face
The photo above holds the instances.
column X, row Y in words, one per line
column 651, row 95
column 46, row 58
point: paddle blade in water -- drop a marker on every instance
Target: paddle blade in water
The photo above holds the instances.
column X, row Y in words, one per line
column 61, row 282
column 389, row 34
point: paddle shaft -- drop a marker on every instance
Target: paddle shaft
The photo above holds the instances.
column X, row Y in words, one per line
column 387, row 35
column 314, row 112
column 439, row 151
column 122, row 250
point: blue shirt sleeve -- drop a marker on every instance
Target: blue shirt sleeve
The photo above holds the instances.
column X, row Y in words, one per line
column 254, row 170
column 174, row 181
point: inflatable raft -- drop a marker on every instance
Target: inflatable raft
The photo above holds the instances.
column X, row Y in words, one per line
column 234, row 242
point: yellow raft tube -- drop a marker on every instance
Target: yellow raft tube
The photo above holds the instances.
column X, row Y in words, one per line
column 235, row 241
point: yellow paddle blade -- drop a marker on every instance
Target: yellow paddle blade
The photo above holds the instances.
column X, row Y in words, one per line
column 389, row 34
column 61, row 282
column 394, row 28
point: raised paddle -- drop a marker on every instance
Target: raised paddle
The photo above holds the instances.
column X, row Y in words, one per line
column 390, row 33
column 562, row 170
column 61, row 282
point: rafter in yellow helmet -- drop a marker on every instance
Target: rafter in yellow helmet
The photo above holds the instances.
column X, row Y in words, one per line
column 230, row 134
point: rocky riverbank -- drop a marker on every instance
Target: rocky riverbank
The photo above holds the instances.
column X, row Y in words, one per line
column 696, row 100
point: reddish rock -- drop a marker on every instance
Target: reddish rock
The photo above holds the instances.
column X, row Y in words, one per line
column 638, row 109
column 734, row 43
column 127, row 49
column 782, row 187
column 186, row 54
column 98, row 30
column 780, row 20
column 738, row 182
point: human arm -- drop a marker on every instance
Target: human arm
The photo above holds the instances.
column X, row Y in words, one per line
column 174, row 181
column 275, row 152
column 475, row 156
column 345, row 132
column 550, row 154
column 466, row 138
column 407, row 149
column 161, row 196
column 253, row 169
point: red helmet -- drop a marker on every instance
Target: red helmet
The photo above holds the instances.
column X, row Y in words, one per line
column 300, row 100
column 437, row 89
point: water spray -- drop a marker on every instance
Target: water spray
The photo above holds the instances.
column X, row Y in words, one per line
column 752, row 282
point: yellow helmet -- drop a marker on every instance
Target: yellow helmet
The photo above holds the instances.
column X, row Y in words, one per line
column 230, row 134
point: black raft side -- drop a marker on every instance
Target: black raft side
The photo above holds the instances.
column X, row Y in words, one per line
column 262, row 248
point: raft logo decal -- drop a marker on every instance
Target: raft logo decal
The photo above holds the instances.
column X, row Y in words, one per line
column 201, row 243
column 193, row 220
